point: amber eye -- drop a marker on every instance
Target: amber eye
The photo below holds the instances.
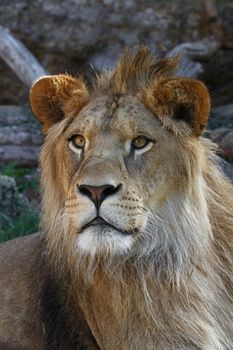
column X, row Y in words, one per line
column 78, row 141
column 140, row 142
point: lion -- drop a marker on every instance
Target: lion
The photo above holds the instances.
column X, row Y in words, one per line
column 135, row 247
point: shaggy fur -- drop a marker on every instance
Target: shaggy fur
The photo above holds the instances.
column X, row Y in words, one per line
column 176, row 292
column 163, row 279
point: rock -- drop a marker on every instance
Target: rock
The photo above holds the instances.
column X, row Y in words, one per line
column 20, row 136
column 13, row 115
column 106, row 58
column 224, row 138
column 8, row 202
column 218, row 76
column 23, row 155
column 76, row 28
column 221, row 117
column 225, row 9
column 11, row 202
column 16, row 212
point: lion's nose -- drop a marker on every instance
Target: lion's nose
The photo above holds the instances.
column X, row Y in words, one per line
column 98, row 194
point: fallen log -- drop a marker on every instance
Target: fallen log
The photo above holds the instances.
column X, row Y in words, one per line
column 19, row 58
column 191, row 55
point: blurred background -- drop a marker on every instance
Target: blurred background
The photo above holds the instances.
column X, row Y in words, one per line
column 85, row 36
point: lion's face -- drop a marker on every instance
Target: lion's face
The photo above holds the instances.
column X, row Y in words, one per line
column 111, row 162
column 106, row 201
column 120, row 169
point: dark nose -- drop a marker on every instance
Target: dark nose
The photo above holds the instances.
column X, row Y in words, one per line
column 97, row 194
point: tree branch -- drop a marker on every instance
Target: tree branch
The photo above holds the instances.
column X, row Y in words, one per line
column 19, row 58
column 190, row 53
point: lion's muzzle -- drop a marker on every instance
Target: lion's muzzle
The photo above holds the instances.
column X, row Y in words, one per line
column 97, row 194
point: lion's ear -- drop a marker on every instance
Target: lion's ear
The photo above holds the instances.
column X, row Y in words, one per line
column 53, row 97
column 182, row 99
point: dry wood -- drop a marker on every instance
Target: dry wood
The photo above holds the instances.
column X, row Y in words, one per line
column 191, row 53
column 19, row 58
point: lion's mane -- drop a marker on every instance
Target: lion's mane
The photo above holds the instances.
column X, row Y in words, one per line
column 180, row 283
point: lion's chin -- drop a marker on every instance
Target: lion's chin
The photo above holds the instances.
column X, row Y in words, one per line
column 103, row 239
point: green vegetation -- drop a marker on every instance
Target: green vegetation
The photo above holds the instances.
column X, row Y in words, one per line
column 24, row 224
column 18, row 172
column 14, row 170
column 24, row 218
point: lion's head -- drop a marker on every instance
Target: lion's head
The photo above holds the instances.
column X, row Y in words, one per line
column 124, row 157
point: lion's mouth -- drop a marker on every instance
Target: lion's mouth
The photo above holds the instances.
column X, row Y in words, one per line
column 99, row 222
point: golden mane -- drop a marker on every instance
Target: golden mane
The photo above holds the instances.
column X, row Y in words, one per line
column 130, row 282
column 188, row 253
column 134, row 72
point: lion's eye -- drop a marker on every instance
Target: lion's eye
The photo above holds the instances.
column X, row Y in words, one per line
column 140, row 142
column 78, row 141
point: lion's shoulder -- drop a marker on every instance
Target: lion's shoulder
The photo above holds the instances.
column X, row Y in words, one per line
column 20, row 245
column 17, row 257
column 18, row 284
column 32, row 316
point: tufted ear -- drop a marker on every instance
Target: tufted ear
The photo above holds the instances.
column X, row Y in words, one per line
column 182, row 99
column 54, row 97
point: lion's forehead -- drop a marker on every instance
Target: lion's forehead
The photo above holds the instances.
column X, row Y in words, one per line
column 123, row 113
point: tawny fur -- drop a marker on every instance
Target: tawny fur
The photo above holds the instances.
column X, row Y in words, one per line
column 57, row 97
column 171, row 289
